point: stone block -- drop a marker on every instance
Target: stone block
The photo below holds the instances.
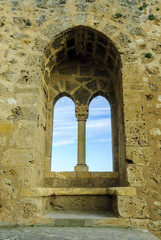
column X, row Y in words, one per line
column 122, row 191
column 50, row 30
column 3, row 141
column 24, row 135
column 82, row 96
column 135, row 175
column 36, row 60
column 81, row 168
column 138, row 223
column 122, row 40
column 155, row 132
column 155, row 225
column 152, row 69
column 81, row 203
column 26, row 178
column 134, row 111
column 9, row 190
column 57, row 43
column 156, row 177
column 92, row 85
column 31, row 207
column 133, row 207
column 140, row 155
column 29, row 77
column 5, row 128
column 109, row 29
column 136, row 133
column 22, row 113
column 17, row 157
column 131, row 96
column 85, row 70
column 67, row 70
column 40, row 45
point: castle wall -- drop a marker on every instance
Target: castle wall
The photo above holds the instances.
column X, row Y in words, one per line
column 27, row 31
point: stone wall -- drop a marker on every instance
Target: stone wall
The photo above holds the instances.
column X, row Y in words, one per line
column 39, row 40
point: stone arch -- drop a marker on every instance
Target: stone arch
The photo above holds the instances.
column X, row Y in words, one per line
column 82, row 61
column 83, row 42
column 99, row 93
column 62, row 94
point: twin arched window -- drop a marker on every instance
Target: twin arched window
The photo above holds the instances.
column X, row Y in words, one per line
column 98, row 136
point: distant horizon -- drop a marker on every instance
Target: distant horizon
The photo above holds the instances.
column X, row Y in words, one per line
column 98, row 136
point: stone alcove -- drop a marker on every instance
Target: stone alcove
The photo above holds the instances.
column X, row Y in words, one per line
column 83, row 63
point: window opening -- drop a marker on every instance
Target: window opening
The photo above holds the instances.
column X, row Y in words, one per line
column 64, row 142
column 99, row 136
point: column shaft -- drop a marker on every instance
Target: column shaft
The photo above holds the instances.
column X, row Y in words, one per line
column 81, row 142
column 81, row 163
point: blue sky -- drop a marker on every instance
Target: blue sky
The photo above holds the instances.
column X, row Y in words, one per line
column 98, row 136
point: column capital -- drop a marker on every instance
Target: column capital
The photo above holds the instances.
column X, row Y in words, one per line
column 81, row 112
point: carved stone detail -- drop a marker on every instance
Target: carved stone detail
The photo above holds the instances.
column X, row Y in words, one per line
column 81, row 112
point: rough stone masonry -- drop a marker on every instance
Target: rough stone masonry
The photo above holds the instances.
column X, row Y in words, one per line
column 80, row 49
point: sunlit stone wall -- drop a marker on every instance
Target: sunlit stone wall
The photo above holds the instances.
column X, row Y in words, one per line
column 38, row 40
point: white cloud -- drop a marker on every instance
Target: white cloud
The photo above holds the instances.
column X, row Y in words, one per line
column 65, row 127
column 63, row 142
column 95, row 112
column 103, row 122
column 103, row 140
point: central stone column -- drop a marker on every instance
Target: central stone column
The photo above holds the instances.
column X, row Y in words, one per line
column 82, row 115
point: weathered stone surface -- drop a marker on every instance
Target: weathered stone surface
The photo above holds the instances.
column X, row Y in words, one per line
column 140, row 155
column 82, row 92
column 21, row 157
column 156, row 178
column 136, row 133
column 155, row 225
column 135, row 175
column 44, row 192
column 23, row 137
column 31, row 207
column 155, row 132
column 133, row 207
column 92, row 203
column 5, row 128
column 109, row 29
column 138, row 223
column 67, row 232
column 81, row 179
column 80, row 49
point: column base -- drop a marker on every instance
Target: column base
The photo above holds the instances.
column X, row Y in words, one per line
column 81, row 168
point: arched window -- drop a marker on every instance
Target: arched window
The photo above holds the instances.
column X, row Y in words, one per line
column 64, row 142
column 99, row 137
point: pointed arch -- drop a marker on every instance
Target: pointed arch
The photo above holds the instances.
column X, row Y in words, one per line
column 84, row 62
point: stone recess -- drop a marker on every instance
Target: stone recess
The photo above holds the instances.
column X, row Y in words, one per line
column 80, row 49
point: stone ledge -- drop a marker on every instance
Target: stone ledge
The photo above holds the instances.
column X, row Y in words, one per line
column 86, row 174
column 54, row 220
column 45, row 192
